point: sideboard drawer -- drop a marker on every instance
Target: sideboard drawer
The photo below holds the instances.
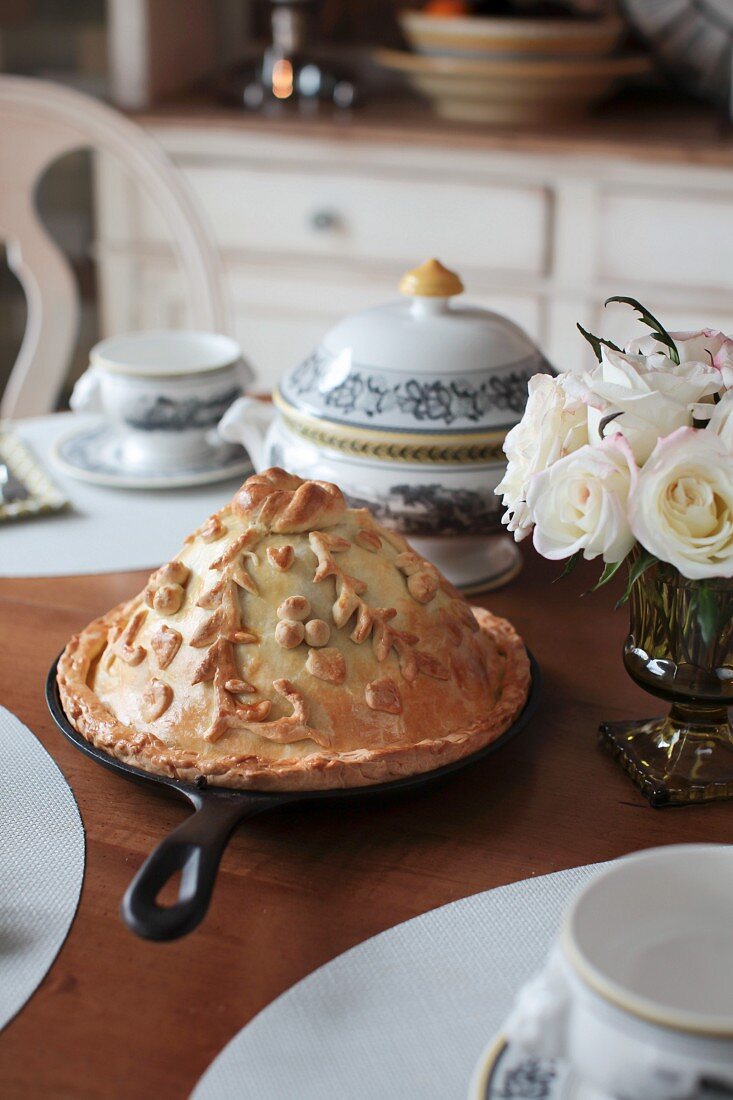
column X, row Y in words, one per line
column 337, row 215
column 672, row 240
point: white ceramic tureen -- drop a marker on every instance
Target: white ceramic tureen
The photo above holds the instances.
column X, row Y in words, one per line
column 406, row 407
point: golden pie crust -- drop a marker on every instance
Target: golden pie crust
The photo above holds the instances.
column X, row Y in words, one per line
column 294, row 644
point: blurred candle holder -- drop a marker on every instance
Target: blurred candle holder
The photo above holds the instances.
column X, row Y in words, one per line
column 290, row 70
column 679, row 648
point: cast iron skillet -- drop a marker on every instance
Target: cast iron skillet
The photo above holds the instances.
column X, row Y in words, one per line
column 195, row 847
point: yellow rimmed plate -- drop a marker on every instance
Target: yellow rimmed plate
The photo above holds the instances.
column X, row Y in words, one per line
column 503, row 1071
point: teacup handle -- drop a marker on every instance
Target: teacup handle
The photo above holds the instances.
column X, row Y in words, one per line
column 87, row 394
column 538, row 1022
column 246, row 421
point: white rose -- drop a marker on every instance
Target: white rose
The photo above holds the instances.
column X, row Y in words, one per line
column 682, row 509
column 652, row 395
column 723, row 361
column 701, row 346
column 580, row 503
column 709, row 346
column 721, row 420
column 554, row 424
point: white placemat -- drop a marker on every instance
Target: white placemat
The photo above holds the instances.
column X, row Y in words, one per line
column 106, row 530
column 41, row 863
column 404, row 1015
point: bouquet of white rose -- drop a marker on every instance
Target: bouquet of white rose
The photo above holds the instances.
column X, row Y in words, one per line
column 635, row 455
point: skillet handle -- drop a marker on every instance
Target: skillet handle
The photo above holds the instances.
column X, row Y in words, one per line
column 195, row 849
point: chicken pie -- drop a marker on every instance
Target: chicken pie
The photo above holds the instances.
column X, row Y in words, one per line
column 294, row 644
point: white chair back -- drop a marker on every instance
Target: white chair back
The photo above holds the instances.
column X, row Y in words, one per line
column 39, row 122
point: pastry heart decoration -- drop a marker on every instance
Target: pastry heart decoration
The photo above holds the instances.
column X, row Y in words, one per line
column 294, row 643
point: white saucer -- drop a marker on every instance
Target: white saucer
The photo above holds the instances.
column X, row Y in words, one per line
column 503, row 1071
column 95, row 454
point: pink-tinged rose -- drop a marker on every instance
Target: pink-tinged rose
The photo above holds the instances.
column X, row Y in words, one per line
column 682, row 508
column 723, row 361
column 721, row 421
column 554, row 424
column 649, row 397
column 580, row 503
column 702, row 346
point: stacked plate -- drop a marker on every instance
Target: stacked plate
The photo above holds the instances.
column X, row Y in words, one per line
column 510, row 71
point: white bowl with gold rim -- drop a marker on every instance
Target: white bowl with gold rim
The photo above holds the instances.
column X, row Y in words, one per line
column 406, row 407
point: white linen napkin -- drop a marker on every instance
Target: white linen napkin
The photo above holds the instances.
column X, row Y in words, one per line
column 41, row 863
column 105, row 530
column 404, row 1015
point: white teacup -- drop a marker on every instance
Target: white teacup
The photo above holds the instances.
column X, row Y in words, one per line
column 637, row 993
column 164, row 393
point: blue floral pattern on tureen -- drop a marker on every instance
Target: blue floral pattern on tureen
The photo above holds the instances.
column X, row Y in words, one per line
column 392, row 401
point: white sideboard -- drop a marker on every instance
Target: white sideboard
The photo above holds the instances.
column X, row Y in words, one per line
column 317, row 219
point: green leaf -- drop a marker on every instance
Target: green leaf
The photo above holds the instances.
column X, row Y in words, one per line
column 596, row 342
column 658, row 331
column 644, row 561
column 610, row 570
column 707, row 613
column 570, row 565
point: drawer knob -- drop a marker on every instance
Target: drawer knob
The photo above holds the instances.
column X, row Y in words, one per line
column 323, row 220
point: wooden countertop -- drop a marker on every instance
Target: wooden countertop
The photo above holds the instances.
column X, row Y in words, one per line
column 119, row 1017
column 654, row 126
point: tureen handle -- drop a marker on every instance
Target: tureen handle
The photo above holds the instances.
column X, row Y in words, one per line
column 246, row 421
column 431, row 286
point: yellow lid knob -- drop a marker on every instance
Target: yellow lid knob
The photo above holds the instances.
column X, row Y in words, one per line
column 431, row 280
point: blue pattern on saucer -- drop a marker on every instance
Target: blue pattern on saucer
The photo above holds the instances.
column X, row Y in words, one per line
column 99, row 451
column 514, row 1075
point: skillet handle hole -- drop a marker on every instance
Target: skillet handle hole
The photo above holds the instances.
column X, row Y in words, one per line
column 169, row 893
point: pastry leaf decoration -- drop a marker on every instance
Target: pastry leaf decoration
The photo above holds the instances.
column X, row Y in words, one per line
column 220, row 632
column 374, row 621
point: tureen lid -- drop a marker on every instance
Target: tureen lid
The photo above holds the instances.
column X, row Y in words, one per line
column 422, row 363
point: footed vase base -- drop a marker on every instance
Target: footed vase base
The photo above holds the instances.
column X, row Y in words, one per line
column 674, row 763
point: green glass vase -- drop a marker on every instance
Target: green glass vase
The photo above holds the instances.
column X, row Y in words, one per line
column 679, row 648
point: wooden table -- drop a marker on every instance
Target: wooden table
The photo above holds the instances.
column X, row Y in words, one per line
column 118, row 1017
